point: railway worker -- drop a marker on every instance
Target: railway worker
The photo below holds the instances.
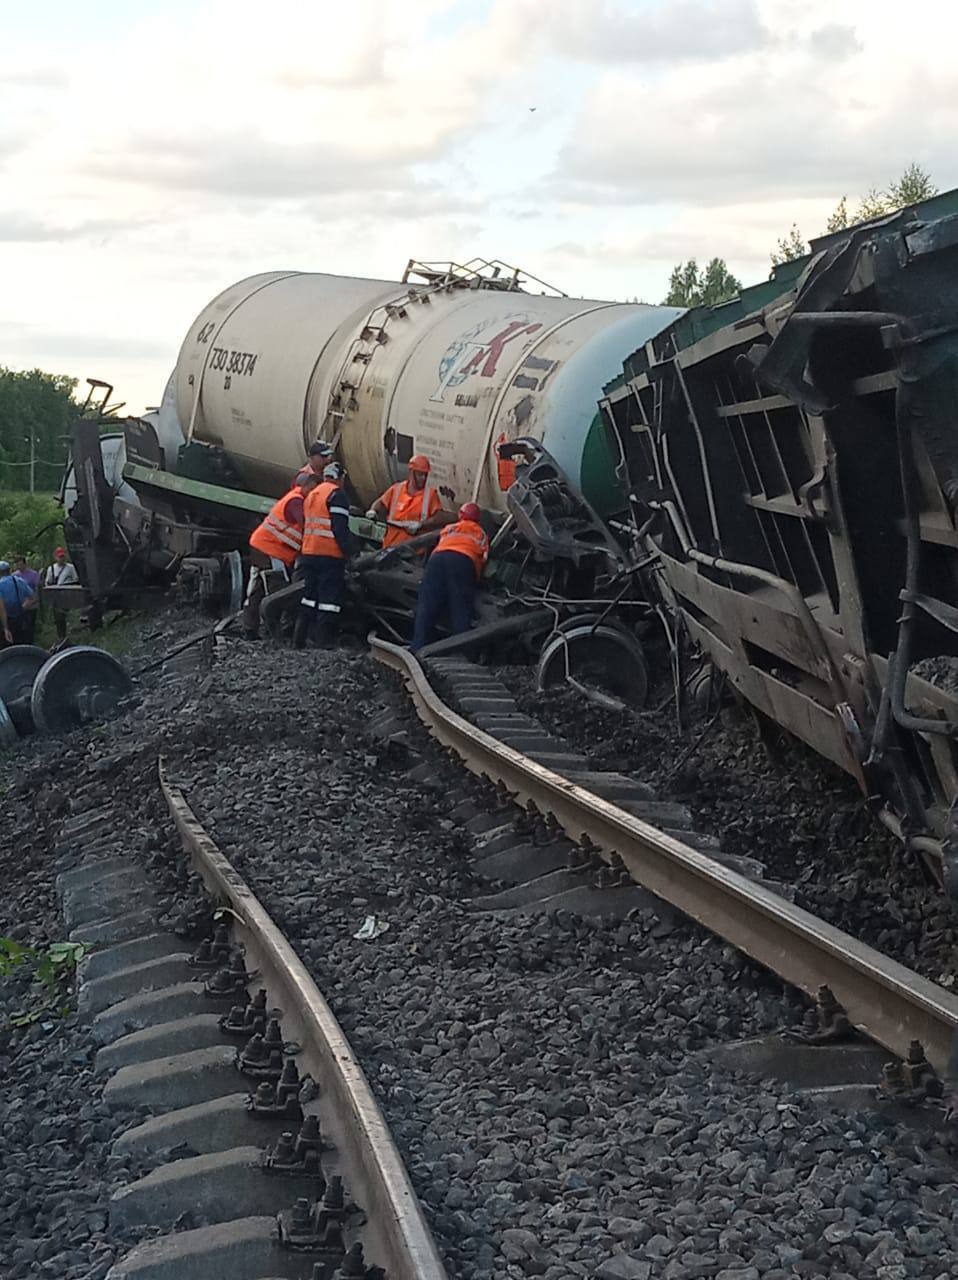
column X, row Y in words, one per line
column 275, row 543
column 327, row 545
column 410, row 506
column 18, row 600
column 452, row 572
column 320, row 454
column 60, row 574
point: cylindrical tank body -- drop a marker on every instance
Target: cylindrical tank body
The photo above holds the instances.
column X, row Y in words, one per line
column 388, row 370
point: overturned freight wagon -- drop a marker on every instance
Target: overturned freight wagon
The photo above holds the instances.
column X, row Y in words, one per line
column 798, row 450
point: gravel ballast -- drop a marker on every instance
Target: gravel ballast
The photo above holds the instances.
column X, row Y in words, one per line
column 56, row 1133
column 799, row 815
column 546, row 1078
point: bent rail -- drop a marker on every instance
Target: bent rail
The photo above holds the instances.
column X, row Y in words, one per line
column 396, row 1233
column 884, row 1000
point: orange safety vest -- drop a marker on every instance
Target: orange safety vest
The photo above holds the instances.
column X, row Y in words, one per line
column 318, row 536
column 466, row 537
column 404, row 511
column 506, row 467
column 276, row 536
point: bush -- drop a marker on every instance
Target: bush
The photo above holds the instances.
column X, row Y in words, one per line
column 30, row 525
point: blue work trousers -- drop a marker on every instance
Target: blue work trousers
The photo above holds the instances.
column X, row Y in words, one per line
column 449, row 583
column 324, row 585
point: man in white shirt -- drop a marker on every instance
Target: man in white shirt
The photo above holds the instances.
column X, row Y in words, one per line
column 60, row 574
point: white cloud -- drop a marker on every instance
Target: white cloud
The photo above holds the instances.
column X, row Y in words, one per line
column 835, row 41
column 757, row 128
column 229, row 139
column 320, row 98
column 617, row 32
column 38, row 77
column 24, row 227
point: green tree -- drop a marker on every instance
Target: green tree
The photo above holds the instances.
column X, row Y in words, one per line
column 912, row 187
column 31, row 526
column 692, row 286
column 838, row 219
column 36, row 410
column 873, row 204
column 790, row 247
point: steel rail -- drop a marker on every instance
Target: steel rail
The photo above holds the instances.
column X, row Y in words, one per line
column 885, row 1001
column 396, row 1235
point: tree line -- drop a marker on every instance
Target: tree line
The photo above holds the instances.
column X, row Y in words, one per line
column 36, row 412
column 691, row 285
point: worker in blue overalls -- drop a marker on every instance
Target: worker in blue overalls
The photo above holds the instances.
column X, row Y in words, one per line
column 450, row 577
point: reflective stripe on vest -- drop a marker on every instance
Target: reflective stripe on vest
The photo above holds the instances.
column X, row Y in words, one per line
column 468, row 539
column 287, row 533
column 400, row 530
column 275, row 536
column 401, row 497
column 318, row 536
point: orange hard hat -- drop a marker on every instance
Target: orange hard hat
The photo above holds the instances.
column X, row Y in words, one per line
column 469, row 511
column 419, row 462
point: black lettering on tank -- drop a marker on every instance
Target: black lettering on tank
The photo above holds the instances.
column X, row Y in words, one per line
column 238, row 362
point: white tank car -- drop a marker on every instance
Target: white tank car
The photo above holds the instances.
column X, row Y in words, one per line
column 387, row 370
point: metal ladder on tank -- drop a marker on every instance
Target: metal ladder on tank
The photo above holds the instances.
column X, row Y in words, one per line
column 478, row 273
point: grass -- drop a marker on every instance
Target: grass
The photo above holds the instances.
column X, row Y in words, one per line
column 116, row 634
column 31, row 525
column 51, row 970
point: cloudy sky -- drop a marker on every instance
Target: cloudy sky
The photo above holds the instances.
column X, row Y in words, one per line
column 154, row 151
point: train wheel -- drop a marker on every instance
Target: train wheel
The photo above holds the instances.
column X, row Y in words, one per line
column 234, row 582
column 77, row 686
column 19, row 666
column 8, row 732
column 599, row 655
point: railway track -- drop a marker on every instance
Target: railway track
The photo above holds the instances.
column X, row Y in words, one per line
column 613, row 815
column 271, row 1133
column 199, row 1196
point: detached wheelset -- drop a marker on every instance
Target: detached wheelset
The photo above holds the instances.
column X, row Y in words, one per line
column 52, row 695
column 19, row 666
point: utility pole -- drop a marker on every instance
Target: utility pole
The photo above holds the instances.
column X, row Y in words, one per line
column 31, row 439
